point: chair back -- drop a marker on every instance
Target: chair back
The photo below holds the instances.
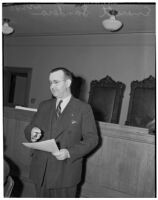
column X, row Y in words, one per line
column 141, row 110
column 8, row 187
column 105, row 98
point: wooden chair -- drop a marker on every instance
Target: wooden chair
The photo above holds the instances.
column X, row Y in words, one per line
column 105, row 98
column 8, row 187
column 141, row 109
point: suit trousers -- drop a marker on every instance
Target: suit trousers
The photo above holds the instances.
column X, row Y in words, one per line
column 68, row 192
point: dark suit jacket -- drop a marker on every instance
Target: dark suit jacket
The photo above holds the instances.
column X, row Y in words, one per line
column 75, row 130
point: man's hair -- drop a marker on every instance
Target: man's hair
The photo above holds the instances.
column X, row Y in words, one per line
column 67, row 73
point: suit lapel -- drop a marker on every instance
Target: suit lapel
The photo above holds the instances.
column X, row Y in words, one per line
column 64, row 121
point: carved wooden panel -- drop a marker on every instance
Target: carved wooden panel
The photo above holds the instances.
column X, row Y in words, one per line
column 106, row 99
column 142, row 103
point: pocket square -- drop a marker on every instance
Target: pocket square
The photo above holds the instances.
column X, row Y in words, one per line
column 74, row 122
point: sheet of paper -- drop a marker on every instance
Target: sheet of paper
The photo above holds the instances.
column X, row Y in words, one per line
column 47, row 145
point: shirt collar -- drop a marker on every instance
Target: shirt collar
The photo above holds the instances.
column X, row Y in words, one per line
column 65, row 101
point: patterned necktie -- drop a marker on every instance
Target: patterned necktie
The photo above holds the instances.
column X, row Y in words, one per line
column 58, row 109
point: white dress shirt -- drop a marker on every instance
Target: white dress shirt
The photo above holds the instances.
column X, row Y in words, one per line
column 64, row 103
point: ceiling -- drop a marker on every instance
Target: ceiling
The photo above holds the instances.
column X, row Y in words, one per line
column 62, row 19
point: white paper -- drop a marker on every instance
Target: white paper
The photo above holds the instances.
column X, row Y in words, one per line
column 47, row 145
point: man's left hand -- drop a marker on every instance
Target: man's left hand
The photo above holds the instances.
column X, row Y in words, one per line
column 62, row 154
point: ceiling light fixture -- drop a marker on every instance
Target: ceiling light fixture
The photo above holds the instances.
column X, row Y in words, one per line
column 6, row 29
column 112, row 24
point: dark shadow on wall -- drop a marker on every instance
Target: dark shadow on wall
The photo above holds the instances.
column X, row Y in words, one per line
column 76, row 86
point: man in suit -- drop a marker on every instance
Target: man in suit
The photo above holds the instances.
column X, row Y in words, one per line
column 71, row 123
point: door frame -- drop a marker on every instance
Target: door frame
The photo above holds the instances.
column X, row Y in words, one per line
column 18, row 70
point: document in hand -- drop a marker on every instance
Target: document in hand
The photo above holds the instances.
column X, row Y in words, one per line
column 47, row 145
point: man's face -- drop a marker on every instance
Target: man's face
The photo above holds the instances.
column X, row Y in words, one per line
column 58, row 84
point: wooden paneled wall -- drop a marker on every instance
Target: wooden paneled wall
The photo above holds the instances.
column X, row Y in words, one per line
column 123, row 165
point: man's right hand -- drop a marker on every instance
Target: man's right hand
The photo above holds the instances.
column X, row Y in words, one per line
column 35, row 134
